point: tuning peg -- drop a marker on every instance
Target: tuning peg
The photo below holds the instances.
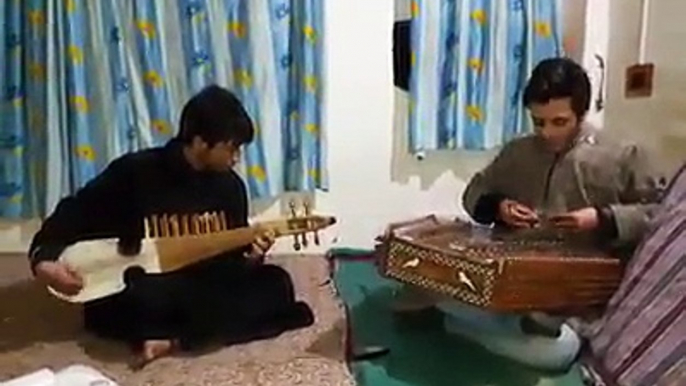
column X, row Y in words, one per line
column 184, row 225
column 307, row 207
column 174, row 226
column 291, row 205
column 222, row 222
column 146, row 227
column 195, row 224
column 168, row 225
column 154, row 227
column 212, row 222
column 205, row 223
column 308, row 212
column 164, row 226
column 296, row 242
column 209, row 222
column 201, row 224
column 218, row 221
column 215, row 222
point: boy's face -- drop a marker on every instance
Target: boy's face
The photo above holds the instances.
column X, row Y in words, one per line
column 221, row 157
column 555, row 123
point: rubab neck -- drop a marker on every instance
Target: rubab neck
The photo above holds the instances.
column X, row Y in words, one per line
column 178, row 252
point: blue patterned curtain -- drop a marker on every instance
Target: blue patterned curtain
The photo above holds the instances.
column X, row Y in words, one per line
column 470, row 62
column 84, row 81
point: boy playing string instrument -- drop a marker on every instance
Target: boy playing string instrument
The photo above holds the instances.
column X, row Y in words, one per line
column 565, row 175
column 233, row 297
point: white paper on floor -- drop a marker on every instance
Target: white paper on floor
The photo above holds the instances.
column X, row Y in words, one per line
column 76, row 375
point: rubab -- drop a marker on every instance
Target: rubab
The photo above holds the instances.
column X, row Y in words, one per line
column 173, row 242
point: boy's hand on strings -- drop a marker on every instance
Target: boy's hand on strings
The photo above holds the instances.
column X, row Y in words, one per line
column 59, row 277
column 261, row 246
column 579, row 220
column 517, row 215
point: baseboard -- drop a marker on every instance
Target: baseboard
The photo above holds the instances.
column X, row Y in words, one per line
column 13, row 250
column 16, row 236
column 13, row 255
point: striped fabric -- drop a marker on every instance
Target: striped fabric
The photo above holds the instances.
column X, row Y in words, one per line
column 641, row 340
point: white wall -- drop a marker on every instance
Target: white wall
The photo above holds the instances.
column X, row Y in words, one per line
column 659, row 122
column 402, row 9
column 15, row 237
column 596, row 39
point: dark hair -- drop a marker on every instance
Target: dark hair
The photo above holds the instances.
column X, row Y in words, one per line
column 559, row 78
column 215, row 115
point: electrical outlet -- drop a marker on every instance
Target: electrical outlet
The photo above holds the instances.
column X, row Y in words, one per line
column 639, row 81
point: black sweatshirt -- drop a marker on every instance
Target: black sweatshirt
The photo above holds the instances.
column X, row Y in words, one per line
column 154, row 181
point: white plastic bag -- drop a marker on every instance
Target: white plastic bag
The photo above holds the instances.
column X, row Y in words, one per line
column 42, row 377
column 77, row 375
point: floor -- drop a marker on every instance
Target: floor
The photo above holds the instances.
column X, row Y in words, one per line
column 421, row 353
column 37, row 331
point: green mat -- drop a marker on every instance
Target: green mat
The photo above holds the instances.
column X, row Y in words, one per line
column 422, row 354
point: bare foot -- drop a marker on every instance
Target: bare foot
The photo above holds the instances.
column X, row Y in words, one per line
column 152, row 350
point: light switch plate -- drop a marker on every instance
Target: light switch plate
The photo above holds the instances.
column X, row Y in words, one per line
column 639, row 81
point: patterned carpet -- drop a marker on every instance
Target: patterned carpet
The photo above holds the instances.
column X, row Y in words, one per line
column 38, row 331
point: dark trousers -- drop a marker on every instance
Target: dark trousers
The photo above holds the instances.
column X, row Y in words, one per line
column 225, row 299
